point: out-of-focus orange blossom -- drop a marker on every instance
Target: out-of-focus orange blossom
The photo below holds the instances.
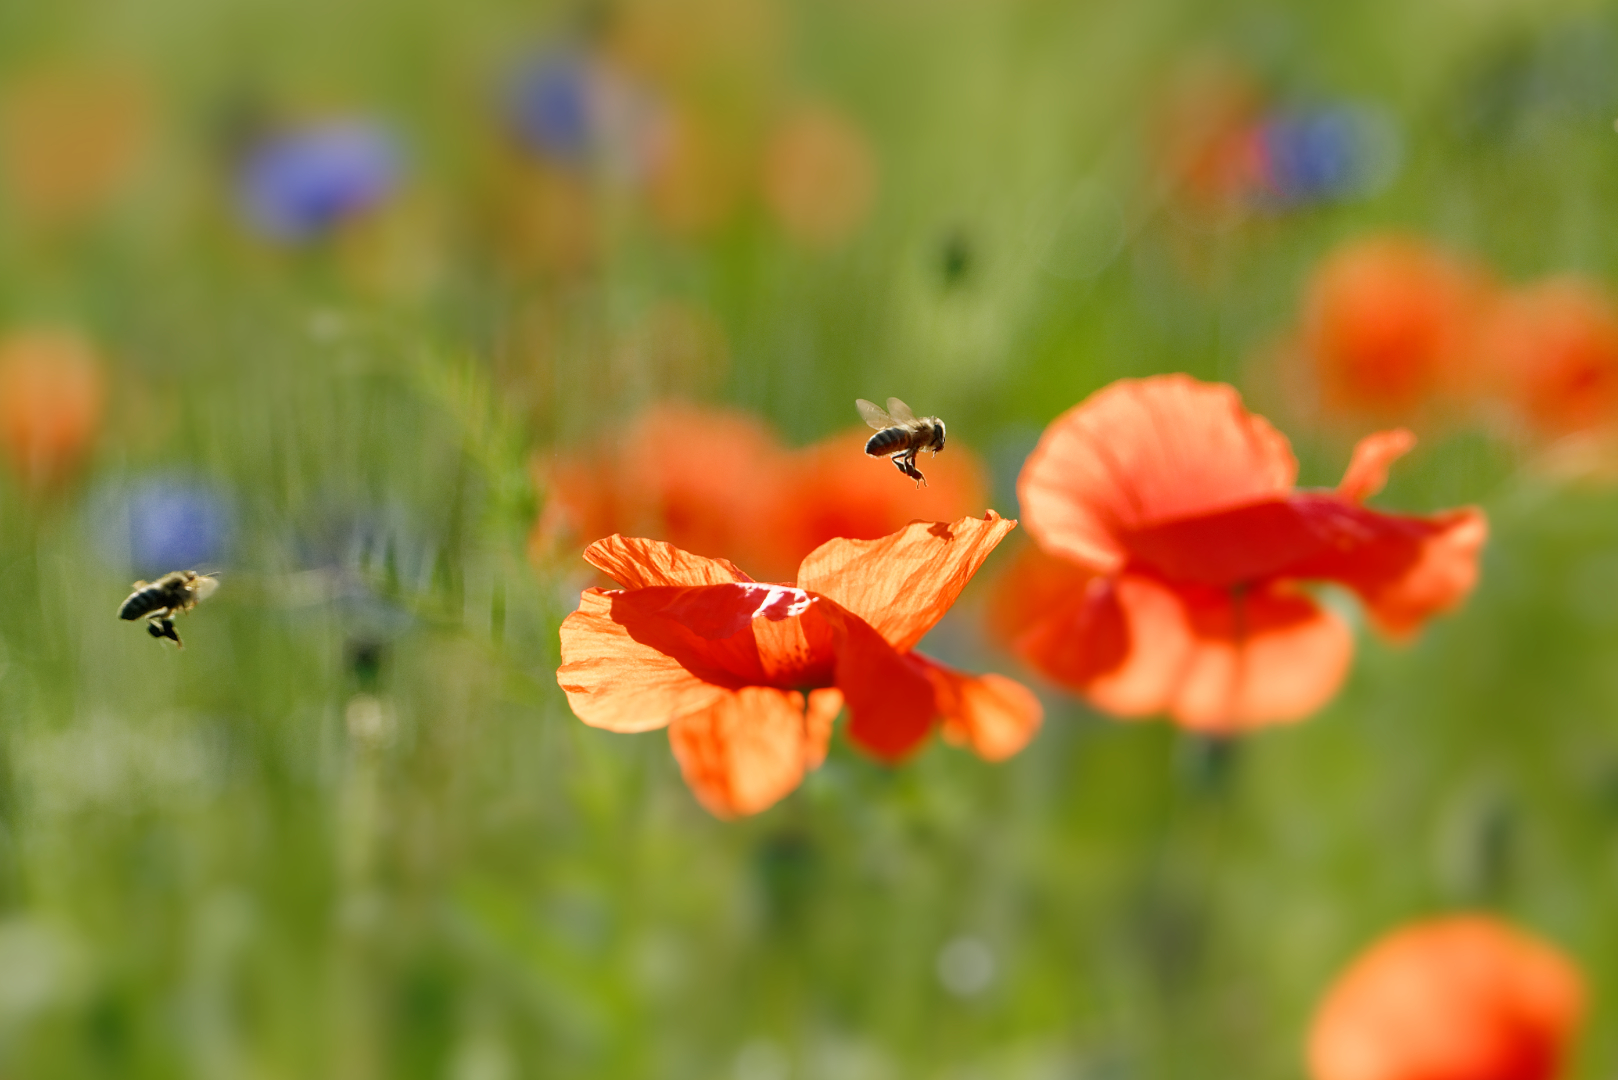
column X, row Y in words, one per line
column 696, row 174
column 692, row 43
column 1203, row 137
column 1461, row 998
column 1390, row 326
column 547, row 218
column 820, row 176
column 1552, row 354
column 836, row 490
column 69, row 138
column 51, row 396
column 719, row 483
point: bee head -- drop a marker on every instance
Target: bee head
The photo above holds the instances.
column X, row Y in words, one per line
column 937, row 442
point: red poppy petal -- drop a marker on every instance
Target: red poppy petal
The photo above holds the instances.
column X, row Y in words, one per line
column 992, row 714
column 1405, row 568
column 1060, row 618
column 747, row 750
column 824, row 705
column 744, row 633
column 902, row 584
column 1441, row 575
column 1142, row 452
column 1154, row 628
column 613, row 681
column 1195, row 653
column 1263, row 657
column 1373, row 456
column 637, row 563
column 891, row 704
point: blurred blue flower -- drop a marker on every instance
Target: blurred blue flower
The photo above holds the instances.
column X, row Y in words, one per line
column 1329, row 155
column 548, row 105
column 163, row 523
column 298, row 184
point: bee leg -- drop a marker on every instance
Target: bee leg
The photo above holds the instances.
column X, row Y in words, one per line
column 164, row 628
column 906, row 463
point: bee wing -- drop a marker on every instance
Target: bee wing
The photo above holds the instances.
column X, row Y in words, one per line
column 872, row 414
column 900, row 411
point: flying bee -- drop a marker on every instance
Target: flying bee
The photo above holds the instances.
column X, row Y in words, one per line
column 901, row 435
column 159, row 601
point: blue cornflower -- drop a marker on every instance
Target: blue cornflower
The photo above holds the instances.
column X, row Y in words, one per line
column 299, row 183
column 548, row 104
column 1328, row 155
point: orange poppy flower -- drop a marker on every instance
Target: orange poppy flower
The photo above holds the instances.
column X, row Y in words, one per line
column 703, row 479
column 51, row 392
column 819, row 177
column 1173, row 545
column 720, row 482
column 1553, row 353
column 748, row 676
column 1389, row 326
column 1461, row 998
column 70, row 138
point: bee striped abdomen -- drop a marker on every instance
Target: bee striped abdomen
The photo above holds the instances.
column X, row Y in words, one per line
column 887, row 441
column 143, row 602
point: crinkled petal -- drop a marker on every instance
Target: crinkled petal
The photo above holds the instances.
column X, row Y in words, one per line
column 1213, row 660
column 1400, row 598
column 637, row 563
column 902, row 584
column 1060, row 618
column 992, row 714
column 1258, row 658
column 748, row 749
column 613, row 681
column 1405, row 568
column 891, row 704
column 1142, row 452
column 1158, row 648
column 743, row 633
column 824, row 705
column 721, row 611
column 1373, row 456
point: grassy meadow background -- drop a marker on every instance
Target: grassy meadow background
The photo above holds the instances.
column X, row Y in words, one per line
column 353, row 830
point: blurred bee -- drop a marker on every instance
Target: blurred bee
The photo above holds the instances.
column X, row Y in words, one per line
column 901, row 435
column 159, row 601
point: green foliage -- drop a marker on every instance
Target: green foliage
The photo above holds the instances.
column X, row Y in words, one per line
column 353, row 830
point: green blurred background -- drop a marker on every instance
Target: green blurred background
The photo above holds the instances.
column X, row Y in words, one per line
column 353, row 829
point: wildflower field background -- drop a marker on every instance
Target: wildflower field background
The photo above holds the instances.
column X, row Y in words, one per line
column 377, row 308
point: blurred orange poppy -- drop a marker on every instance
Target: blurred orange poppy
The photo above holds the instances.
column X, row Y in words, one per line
column 819, row 177
column 1552, row 351
column 1390, row 326
column 1204, row 137
column 70, row 137
column 1460, row 998
column 718, row 482
column 51, row 392
column 748, row 677
column 1173, row 545
column 704, row 479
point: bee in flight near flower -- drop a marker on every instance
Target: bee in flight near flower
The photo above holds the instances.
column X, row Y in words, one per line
column 159, row 601
column 901, row 435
